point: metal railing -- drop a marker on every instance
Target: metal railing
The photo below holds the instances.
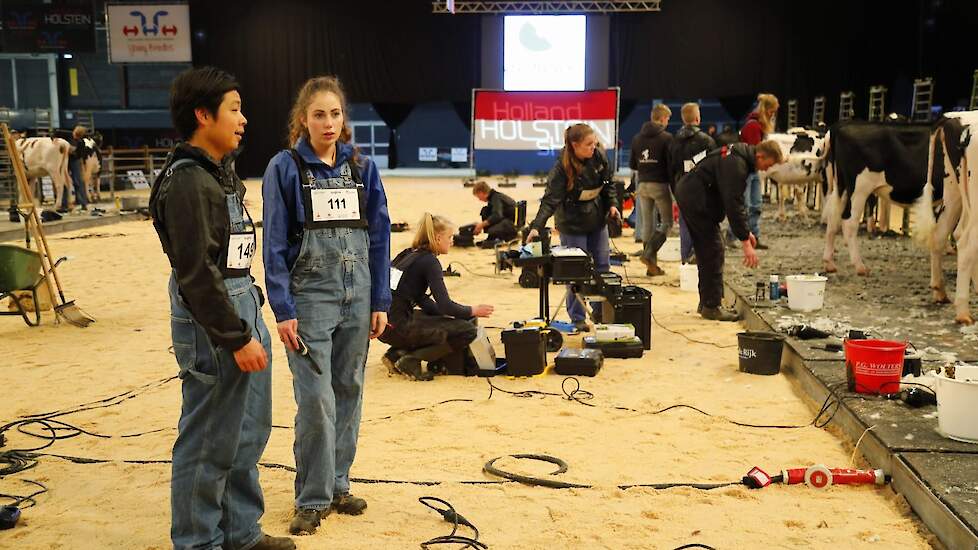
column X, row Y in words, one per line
column 117, row 162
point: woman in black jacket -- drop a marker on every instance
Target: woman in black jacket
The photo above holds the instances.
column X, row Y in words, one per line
column 441, row 328
column 581, row 194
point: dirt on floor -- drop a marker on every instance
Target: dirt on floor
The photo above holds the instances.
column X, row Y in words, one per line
column 433, row 438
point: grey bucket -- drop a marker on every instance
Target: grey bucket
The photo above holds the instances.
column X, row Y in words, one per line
column 760, row 352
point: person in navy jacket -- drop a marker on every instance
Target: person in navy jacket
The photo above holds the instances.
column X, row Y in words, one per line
column 327, row 270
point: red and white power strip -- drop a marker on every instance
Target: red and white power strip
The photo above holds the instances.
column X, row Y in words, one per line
column 819, row 477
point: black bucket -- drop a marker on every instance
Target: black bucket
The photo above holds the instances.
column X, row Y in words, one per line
column 760, row 352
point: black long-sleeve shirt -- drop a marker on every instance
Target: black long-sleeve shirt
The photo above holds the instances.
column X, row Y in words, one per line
column 190, row 214
column 573, row 216
column 500, row 207
column 425, row 273
column 720, row 180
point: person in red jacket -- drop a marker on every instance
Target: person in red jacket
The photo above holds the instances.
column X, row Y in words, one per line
column 759, row 124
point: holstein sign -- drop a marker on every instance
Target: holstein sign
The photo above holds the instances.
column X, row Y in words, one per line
column 149, row 33
column 36, row 27
column 525, row 130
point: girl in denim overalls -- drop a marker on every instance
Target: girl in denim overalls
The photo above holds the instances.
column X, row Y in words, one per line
column 327, row 269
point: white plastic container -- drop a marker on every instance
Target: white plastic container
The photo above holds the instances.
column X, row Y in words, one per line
column 669, row 251
column 806, row 292
column 957, row 404
column 689, row 278
column 613, row 333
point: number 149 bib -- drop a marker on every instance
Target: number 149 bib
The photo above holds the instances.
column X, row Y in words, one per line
column 335, row 205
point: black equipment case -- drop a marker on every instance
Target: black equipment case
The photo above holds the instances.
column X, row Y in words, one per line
column 619, row 349
column 578, row 362
column 526, row 351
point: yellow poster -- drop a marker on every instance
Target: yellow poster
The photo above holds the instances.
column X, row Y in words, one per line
column 73, row 81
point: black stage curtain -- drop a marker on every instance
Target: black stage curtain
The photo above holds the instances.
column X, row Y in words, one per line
column 393, row 115
column 733, row 50
column 383, row 52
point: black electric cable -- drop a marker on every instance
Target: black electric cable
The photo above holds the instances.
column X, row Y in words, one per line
column 467, row 268
column 691, row 340
column 416, row 409
column 17, row 460
column 450, row 515
column 579, row 395
column 491, row 468
column 694, row 545
column 30, row 499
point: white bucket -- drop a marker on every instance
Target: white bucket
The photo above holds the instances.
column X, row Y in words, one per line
column 689, row 278
column 957, row 404
column 670, row 250
column 806, row 292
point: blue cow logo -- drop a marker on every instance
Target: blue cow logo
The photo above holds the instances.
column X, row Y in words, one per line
column 50, row 39
column 148, row 30
column 21, row 19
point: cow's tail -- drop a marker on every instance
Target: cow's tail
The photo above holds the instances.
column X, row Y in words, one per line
column 923, row 209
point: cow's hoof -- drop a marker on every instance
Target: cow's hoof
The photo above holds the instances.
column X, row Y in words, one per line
column 830, row 267
column 862, row 271
column 940, row 297
column 964, row 319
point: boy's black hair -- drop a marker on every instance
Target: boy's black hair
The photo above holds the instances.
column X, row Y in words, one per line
column 193, row 89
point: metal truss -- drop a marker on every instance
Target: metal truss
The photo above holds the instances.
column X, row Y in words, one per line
column 607, row 6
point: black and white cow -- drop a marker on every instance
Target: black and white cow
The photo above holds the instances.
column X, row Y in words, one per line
column 803, row 168
column 890, row 160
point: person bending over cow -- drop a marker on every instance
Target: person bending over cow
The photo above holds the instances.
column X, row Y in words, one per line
column 426, row 326
column 714, row 189
column 498, row 215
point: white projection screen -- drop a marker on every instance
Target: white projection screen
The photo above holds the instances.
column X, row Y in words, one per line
column 544, row 52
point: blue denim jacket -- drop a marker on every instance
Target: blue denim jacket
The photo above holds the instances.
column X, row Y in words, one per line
column 284, row 214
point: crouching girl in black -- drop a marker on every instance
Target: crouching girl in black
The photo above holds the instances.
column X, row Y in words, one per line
column 438, row 332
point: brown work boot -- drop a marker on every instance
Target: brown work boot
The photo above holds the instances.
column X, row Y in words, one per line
column 268, row 542
column 345, row 503
column 719, row 314
column 306, row 521
column 652, row 268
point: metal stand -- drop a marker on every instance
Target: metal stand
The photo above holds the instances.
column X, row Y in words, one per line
column 818, row 111
column 846, row 108
column 923, row 100
column 877, row 103
column 974, row 93
column 792, row 113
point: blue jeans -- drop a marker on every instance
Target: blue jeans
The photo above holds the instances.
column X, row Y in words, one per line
column 331, row 285
column 753, row 200
column 596, row 244
column 635, row 219
column 685, row 240
column 226, row 417
column 81, row 194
